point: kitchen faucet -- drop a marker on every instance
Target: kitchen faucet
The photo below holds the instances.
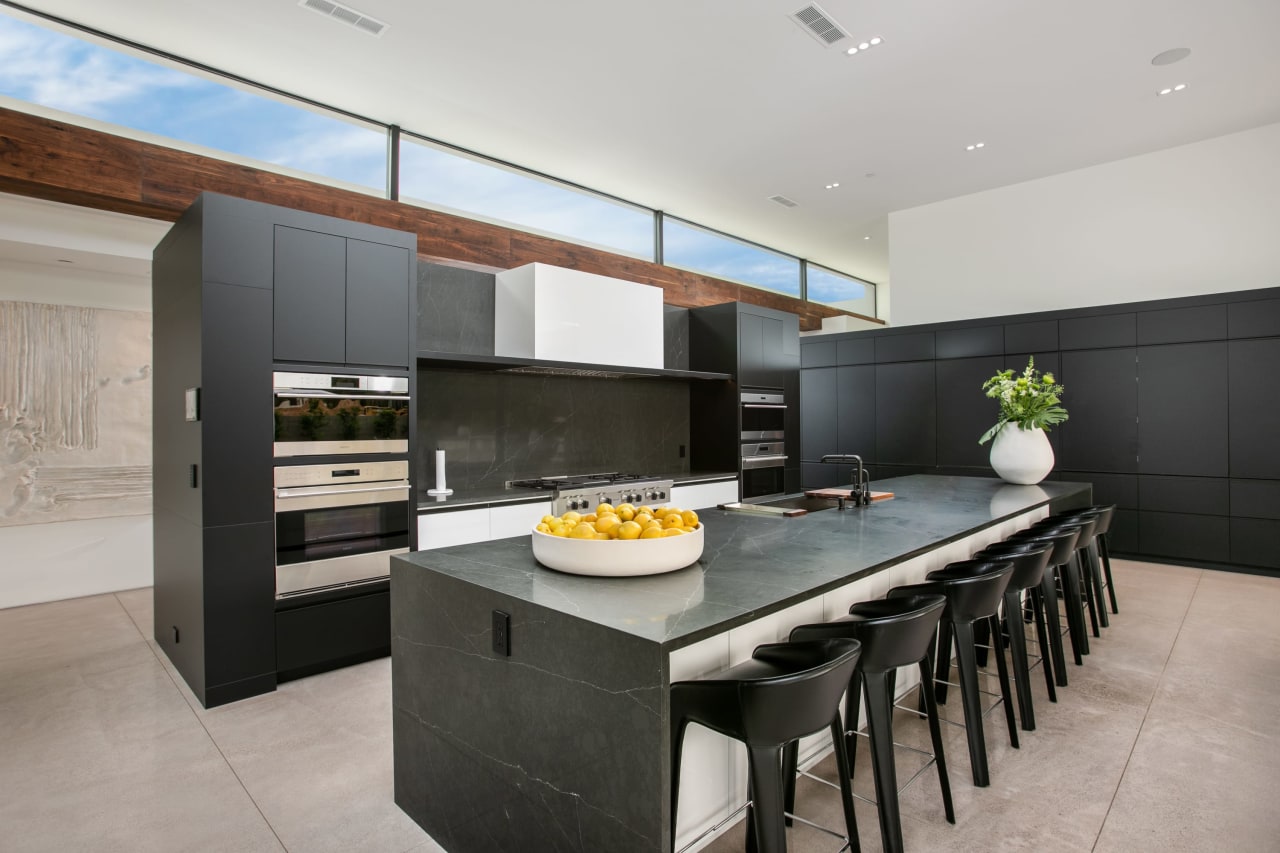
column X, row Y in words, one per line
column 862, row 491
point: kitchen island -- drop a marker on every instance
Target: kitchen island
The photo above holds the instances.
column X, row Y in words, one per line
column 563, row 743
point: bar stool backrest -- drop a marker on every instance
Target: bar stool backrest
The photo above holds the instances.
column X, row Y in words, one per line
column 894, row 632
column 1104, row 514
column 1063, row 540
column 1029, row 559
column 1088, row 524
column 973, row 588
column 779, row 708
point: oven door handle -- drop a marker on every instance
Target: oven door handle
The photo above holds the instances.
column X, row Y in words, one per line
column 325, row 492
column 764, row 405
column 753, row 462
column 330, row 395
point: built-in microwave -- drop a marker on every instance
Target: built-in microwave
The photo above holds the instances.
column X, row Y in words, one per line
column 320, row 414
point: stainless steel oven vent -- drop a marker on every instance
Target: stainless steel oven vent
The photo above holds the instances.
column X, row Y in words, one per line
column 346, row 15
column 815, row 21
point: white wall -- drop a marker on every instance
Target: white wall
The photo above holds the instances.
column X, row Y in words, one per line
column 1200, row 218
column 67, row 559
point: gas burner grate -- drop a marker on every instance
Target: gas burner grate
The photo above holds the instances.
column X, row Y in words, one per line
column 577, row 481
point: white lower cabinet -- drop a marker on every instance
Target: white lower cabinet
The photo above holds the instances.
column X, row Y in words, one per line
column 704, row 495
column 464, row 526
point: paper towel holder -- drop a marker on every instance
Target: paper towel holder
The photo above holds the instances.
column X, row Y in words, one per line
column 440, row 489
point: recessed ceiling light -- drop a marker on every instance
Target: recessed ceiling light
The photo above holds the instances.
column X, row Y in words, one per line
column 832, row 186
column 1171, row 56
column 975, row 145
column 866, row 45
column 1178, row 88
column 868, row 237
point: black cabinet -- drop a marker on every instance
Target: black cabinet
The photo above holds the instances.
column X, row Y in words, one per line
column 962, row 412
column 340, row 300
column 1101, row 398
column 906, row 414
column 764, row 359
column 818, row 397
column 1255, row 408
column 1182, row 409
column 856, row 410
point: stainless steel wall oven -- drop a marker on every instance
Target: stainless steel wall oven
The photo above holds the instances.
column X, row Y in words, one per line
column 338, row 525
column 322, row 414
column 764, row 454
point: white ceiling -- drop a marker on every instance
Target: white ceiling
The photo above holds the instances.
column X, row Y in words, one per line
column 705, row 109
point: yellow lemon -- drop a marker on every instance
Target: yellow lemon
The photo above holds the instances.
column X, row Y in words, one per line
column 605, row 536
column 562, row 531
column 571, row 517
column 653, row 524
column 608, row 523
column 672, row 519
column 673, row 531
column 543, row 527
column 628, row 530
column 549, row 519
column 643, row 518
column 626, row 512
column 606, row 509
column 584, row 530
column 690, row 518
column 644, row 508
column 652, row 533
column 591, row 516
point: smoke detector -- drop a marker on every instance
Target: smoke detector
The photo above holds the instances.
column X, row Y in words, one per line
column 346, row 15
column 815, row 21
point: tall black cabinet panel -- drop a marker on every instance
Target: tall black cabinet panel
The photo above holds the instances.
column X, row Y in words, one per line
column 856, row 410
column 1182, row 409
column 1255, row 408
column 1101, row 398
column 906, row 414
column 310, row 297
column 960, row 422
column 818, row 395
column 377, row 304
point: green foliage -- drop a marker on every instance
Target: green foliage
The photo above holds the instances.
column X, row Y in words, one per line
column 384, row 424
column 1030, row 400
column 349, row 417
column 311, row 421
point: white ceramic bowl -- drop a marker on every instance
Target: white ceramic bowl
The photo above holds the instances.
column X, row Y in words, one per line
column 614, row 558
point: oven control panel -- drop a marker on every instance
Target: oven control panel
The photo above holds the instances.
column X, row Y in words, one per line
column 646, row 492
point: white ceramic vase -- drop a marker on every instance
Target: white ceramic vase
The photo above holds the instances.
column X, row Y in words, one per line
column 1022, row 456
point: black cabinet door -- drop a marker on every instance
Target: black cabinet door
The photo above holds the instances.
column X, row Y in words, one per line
column 1255, row 408
column 310, row 311
column 1101, row 399
column 817, row 413
column 751, row 350
column 856, row 411
column 964, row 412
column 906, row 414
column 377, row 304
column 1182, row 409
column 775, row 362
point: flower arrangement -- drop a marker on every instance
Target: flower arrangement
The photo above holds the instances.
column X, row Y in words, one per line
column 1030, row 401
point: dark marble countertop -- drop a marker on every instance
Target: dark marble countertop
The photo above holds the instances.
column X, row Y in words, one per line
column 752, row 564
column 497, row 495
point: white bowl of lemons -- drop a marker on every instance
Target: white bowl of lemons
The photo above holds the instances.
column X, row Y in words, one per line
column 619, row 541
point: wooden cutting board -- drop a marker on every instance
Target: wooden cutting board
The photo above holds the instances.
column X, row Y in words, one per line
column 835, row 494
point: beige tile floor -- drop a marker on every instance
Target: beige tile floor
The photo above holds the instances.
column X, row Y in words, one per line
column 1163, row 741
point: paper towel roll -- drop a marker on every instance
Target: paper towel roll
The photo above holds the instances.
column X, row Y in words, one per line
column 440, row 486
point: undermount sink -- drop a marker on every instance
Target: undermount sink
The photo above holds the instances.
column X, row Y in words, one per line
column 786, row 507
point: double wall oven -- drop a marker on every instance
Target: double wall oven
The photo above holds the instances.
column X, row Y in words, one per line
column 764, row 456
column 337, row 523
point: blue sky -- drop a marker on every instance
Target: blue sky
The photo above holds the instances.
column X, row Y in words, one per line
column 65, row 73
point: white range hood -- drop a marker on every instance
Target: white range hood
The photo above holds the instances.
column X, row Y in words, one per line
column 558, row 314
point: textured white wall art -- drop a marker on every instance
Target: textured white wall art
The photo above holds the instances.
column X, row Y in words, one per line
column 75, row 413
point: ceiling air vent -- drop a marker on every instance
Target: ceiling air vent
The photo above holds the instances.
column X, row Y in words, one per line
column 346, row 15
column 815, row 21
column 783, row 200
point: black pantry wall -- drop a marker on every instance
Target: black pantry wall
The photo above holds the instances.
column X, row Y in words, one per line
column 1174, row 413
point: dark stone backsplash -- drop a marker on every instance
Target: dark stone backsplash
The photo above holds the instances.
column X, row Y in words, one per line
column 455, row 310
column 496, row 427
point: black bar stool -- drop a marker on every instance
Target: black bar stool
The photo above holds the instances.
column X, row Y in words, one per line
column 1030, row 560
column 1095, row 553
column 1063, row 562
column 894, row 632
column 1080, row 562
column 786, row 691
column 974, row 590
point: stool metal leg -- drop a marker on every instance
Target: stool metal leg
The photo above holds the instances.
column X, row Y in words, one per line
column 935, row 733
column 1049, row 594
column 846, row 783
column 766, row 799
column 1036, row 594
column 1095, row 573
column 879, row 697
column 1075, row 616
column 993, row 628
column 943, row 663
column 967, row 664
column 1086, row 589
column 1018, row 651
column 1106, row 570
